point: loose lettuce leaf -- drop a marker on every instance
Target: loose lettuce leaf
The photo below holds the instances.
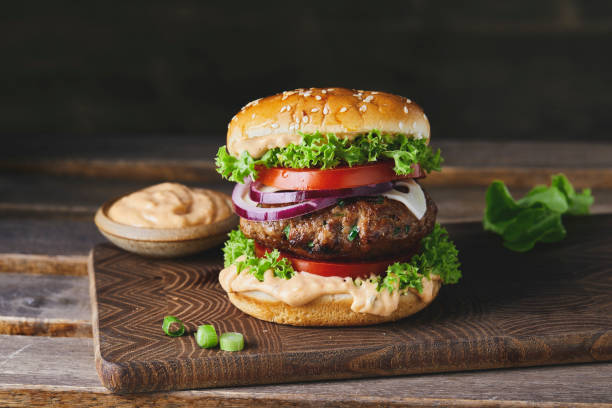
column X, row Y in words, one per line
column 328, row 151
column 535, row 217
column 438, row 257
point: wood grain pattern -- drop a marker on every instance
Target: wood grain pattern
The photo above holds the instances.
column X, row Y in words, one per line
column 25, row 377
column 73, row 265
column 43, row 305
column 549, row 306
column 84, row 398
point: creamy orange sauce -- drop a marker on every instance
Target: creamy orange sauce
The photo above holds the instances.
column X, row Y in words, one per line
column 170, row 205
column 305, row 287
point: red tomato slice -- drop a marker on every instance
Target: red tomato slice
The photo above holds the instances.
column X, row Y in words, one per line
column 341, row 269
column 331, row 179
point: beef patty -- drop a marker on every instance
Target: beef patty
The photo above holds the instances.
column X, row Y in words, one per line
column 355, row 229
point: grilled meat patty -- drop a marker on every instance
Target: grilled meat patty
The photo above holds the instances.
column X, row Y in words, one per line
column 361, row 228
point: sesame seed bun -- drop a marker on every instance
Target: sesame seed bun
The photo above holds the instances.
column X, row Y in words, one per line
column 328, row 310
column 277, row 120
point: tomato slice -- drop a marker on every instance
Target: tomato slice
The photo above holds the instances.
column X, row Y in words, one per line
column 341, row 269
column 331, row 179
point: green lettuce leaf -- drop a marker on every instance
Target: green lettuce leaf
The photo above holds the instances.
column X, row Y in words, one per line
column 535, row 217
column 328, row 151
column 239, row 245
column 438, row 257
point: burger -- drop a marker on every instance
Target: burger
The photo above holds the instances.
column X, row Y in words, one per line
column 335, row 229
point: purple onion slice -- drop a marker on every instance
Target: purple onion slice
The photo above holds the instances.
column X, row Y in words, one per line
column 247, row 208
column 258, row 195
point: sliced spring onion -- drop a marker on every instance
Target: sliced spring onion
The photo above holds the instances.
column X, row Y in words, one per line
column 354, row 233
column 206, row 336
column 172, row 326
column 231, row 341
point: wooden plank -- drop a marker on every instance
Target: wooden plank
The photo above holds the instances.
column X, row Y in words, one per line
column 72, row 265
column 44, row 305
column 519, row 177
column 59, row 196
column 26, row 378
column 535, row 309
column 520, row 164
column 44, row 240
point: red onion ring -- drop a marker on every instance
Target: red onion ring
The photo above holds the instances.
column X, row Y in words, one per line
column 247, row 208
column 300, row 195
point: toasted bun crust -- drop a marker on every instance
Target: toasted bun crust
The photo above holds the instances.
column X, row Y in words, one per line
column 275, row 121
column 328, row 310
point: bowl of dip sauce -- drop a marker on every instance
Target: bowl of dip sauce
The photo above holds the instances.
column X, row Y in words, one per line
column 167, row 220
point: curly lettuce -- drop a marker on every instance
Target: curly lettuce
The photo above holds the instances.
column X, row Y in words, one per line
column 438, row 257
column 239, row 245
column 328, row 151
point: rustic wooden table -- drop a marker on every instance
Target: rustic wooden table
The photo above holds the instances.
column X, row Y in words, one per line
column 47, row 198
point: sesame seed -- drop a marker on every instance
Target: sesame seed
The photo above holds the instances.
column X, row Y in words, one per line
column 235, row 118
column 425, row 116
column 282, row 109
column 228, row 124
column 314, row 110
column 305, row 119
column 288, row 108
column 363, row 108
column 405, row 109
column 318, row 97
column 374, row 92
column 408, row 100
column 253, row 103
column 307, row 93
column 358, row 95
column 325, row 110
column 343, row 109
column 323, row 91
column 274, row 125
column 286, row 94
column 331, row 89
column 368, row 98
column 253, row 116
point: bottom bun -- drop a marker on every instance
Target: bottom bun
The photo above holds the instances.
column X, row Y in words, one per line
column 328, row 310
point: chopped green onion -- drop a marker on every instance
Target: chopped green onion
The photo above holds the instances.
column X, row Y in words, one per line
column 286, row 231
column 206, row 336
column 340, row 203
column 173, row 327
column 311, row 244
column 231, row 341
column 354, row 233
column 407, row 228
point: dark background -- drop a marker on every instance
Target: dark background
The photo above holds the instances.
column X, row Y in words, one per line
column 481, row 69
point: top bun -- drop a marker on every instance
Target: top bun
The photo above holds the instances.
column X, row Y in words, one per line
column 277, row 120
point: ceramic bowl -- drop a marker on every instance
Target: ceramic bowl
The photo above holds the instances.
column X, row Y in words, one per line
column 163, row 242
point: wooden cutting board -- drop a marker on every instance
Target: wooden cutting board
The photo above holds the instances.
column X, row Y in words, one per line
column 552, row 305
